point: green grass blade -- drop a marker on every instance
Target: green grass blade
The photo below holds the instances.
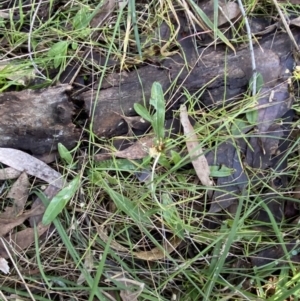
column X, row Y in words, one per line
column 76, row 258
column 100, row 268
column 132, row 11
column 210, row 25
column 38, row 258
column 216, row 16
column 218, row 265
column 125, row 204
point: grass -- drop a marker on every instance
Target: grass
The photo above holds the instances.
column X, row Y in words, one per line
column 155, row 233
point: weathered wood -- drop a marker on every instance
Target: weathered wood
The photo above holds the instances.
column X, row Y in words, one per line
column 225, row 75
column 36, row 121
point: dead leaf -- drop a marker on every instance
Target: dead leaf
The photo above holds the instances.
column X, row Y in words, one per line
column 4, row 266
column 4, row 15
column 22, row 239
column 130, row 294
column 159, row 253
column 7, row 224
column 143, row 175
column 295, row 22
column 122, row 4
column 88, row 264
column 19, row 193
column 272, row 104
column 136, row 122
column 139, row 150
column 227, row 12
column 229, row 187
column 113, row 244
column 195, row 151
column 277, row 253
column 263, row 147
column 9, row 173
column 23, row 162
column 104, row 12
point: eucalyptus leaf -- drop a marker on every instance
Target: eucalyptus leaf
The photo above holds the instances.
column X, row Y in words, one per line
column 59, row 202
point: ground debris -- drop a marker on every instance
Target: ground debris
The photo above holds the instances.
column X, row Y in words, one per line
column 195, row 151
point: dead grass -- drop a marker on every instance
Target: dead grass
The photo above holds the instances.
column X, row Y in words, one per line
column 157, row 238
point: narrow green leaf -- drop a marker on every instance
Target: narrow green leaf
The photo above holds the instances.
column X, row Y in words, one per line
column 252, row 116
column 157, row 100
column 209, row 23
column 259, row 82
column 59, row 202
column 216, row 18
column 216, row 171
column 64, row 153
column 132, row 11
column 240, row 126
column 142, row 111
column 176, row 158
column 70, row 248
column 171, row 216
column 127, row 206
column 118, row 165
column 163, row 161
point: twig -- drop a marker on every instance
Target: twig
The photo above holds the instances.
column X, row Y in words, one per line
column 249, row 34
column 286, row 26
column 3, row 297
column 29, row 41
column 17, row 270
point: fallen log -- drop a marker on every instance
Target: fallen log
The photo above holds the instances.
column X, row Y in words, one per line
column 35, row 121
column 223, row 74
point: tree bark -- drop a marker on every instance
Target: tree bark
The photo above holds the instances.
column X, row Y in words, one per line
column 221, row 73
column 36, row 121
